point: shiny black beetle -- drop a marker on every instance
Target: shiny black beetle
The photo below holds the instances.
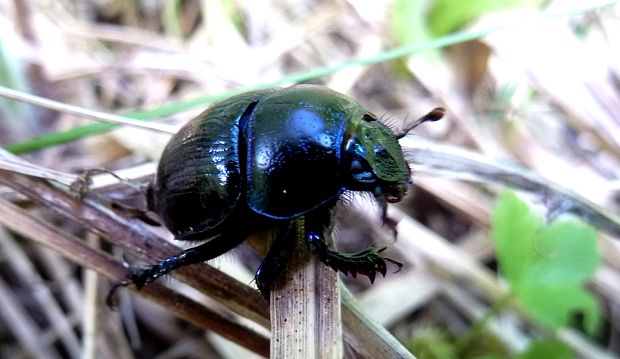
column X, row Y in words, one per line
column 266, row 157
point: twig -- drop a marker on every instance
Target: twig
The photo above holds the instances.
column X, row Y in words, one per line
column 136, row 238
column 21, row 222
column 25, row 272
column 15, row 317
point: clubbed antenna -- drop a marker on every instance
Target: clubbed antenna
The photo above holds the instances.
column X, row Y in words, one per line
column 436, row 114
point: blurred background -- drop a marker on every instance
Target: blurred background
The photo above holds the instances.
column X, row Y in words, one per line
column 529, row 84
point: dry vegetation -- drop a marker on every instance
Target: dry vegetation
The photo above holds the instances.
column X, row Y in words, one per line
column 533, row 98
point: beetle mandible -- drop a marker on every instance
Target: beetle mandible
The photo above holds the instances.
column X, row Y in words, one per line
column 266, row 157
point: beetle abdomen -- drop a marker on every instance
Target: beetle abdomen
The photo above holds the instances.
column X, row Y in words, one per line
column 199, row 179
column 200, row 182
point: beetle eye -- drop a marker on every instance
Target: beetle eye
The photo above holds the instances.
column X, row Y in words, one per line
column 361, row 171
column 356, row 166
column 381, row 151
column 368, row 118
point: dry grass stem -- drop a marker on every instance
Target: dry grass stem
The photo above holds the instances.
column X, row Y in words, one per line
column 305, row 307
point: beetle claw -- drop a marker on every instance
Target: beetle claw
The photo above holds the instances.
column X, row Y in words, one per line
column 398, row 264
column 138, row 277
column 110, row 299
column 381, row 267
column 371, row 276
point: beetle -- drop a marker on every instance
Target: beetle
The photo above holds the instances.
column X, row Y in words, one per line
column 264, row 158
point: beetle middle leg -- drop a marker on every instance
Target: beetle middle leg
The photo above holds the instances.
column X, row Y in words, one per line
column 367, row 262
column 275, row 260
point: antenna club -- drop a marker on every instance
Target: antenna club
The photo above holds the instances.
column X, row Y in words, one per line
column 435, row 115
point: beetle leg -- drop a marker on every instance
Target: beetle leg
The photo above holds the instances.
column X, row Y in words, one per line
column 275, row 260
column 387, row 221
column 81, row 187
column 204, row 252
column 367, row 262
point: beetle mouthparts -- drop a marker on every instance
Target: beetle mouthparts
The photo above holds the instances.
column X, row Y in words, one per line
column 395, row 191
column 393, row 199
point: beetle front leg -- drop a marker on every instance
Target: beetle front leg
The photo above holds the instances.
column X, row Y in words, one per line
column 367, row 262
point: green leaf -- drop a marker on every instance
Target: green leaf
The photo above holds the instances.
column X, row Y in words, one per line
column 448, row 15
column 408, row 21
column 553, row 286
column 552, row 305
column 570, row 249
column 546, row 265
column 548, row 349
column 514, row 226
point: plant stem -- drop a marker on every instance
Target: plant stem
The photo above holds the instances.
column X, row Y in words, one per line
column 305, row 306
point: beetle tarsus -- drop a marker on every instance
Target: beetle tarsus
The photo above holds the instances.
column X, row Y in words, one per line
column 138, row 277
column 81, row 186
column 142, row 277
column 367, row 262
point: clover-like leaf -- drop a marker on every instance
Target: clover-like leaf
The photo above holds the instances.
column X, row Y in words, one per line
column 546, row 265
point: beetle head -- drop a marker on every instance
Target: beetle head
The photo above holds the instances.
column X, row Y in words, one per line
column 375, row 159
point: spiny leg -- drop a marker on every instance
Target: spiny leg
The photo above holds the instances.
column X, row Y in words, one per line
column 204, row 252
column 367, row 262
column 275, row 260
